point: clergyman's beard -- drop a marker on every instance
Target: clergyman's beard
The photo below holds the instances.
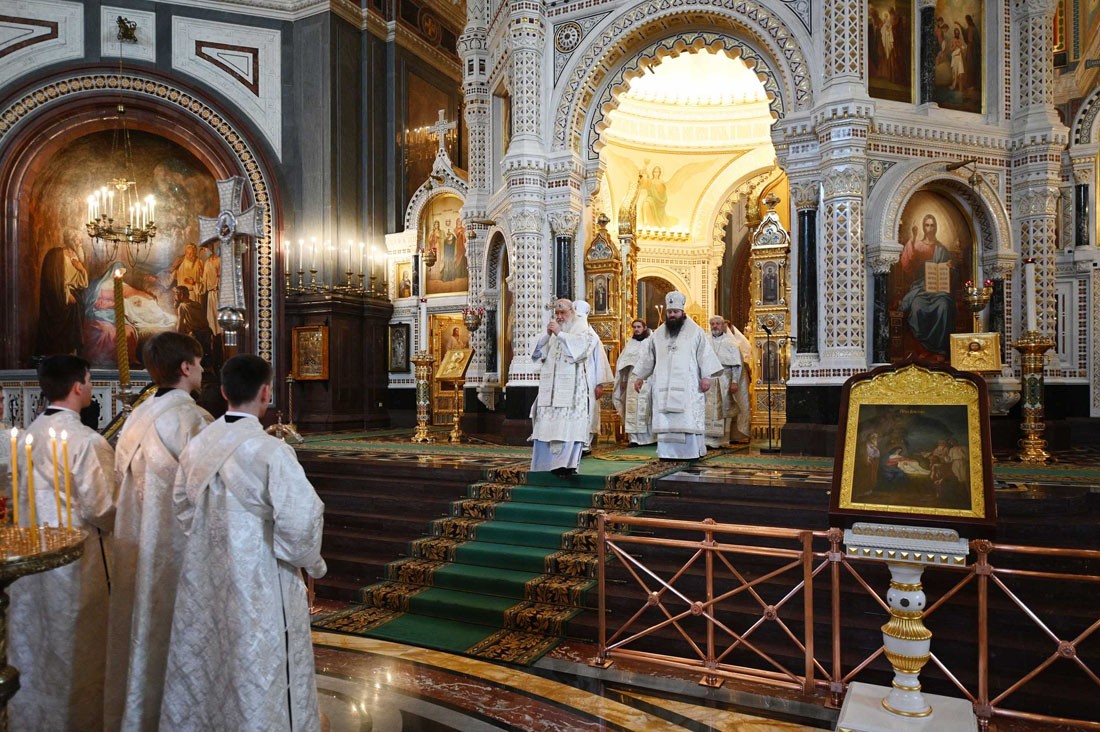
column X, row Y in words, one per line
column 641, row 336
column 673, row 325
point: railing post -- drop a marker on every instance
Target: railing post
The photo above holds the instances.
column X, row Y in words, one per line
column 808, row 607
column 836, row 557
column 601, row 660
column 710, row 678
column 982, row 568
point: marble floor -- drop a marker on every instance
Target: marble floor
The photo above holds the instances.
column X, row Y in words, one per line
column 369, row 685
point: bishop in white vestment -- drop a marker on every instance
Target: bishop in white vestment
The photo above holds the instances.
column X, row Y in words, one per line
column 720, row 400
column 241, row 657
column 634, row 407
column 561, row 416
column 57, row 625
column 147, row 545
column 681, row 364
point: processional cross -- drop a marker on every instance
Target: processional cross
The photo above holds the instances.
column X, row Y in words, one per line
column 440, row 130
column 229, row 229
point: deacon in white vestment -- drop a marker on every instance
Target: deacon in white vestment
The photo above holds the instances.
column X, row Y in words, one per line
column 681, row 363
column 147, row 545
column 241, row 657
column 57, row 625
column 561, row 416
column 741, row 424
column 634, row 407
column 720, row 400
column 599, row 368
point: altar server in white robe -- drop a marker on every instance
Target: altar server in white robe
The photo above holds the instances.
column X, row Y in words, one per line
column 561, row 416
column 57, row 626
column 147, row 545
column 634, row 407
column 740, row 433
column 598, row 367
column 721, row 401
column 681, row 364
column 241, row 657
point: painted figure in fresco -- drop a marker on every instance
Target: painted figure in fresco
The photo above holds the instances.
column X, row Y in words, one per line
column 972, row 38
column 931, row 315
column 450, row 244
column 404, row 288
column 60, row 309
column 211, row 280
column 872, row 456
column 187, row 271
column 190, row 315
column 601, row 296
column 874, row 42
column 958, row 60
column 462, row 271
column 656, row 199
column 435, row 237
column 771, row 285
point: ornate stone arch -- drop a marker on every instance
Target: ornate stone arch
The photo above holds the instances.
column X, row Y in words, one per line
column 1086, row 126
column 220, row 126
column 498, row 245
column 678, row 279
column 623, row 36
column 442, row 181
column 898, row 185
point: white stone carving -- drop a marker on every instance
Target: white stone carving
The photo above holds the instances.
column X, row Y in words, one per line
column 146, row 32
column 41, row 32
column 242, row 62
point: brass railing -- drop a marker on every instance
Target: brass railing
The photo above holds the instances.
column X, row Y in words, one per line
column 803, row 570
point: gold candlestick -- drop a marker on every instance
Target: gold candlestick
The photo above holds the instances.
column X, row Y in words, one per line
column 423, row 361
column 976, row 299
column 459, row 409
column 1032, row 346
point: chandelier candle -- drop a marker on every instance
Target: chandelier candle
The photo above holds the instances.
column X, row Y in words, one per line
column 68, row 480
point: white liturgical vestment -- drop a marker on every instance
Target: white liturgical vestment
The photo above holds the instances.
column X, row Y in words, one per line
column 146, row 550
column 240, row 633
column 57, row 626
column 633, row 407
column 675, row 365
column 721, row 405
column 741, row 396
column 561, row 415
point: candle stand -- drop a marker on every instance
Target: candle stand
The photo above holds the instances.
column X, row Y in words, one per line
column 423, row 361
column 1032, row 346
column 26, row 551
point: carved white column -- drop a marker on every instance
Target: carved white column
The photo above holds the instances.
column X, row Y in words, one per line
column 527, row 33
column 844, row 272
column 531, row 298
column 845, row 32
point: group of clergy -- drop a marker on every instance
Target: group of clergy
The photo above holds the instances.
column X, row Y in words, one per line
column 187, row 610
column 674, row 386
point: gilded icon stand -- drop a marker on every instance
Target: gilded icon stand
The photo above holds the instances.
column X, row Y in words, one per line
column 423, row 361
column 1032, row 347
column 459, row 403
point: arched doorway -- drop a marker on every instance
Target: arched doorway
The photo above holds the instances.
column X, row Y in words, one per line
column 651, row 299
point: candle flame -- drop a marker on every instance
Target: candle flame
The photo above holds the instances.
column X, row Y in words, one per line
column 14, row 432
column 53, row 434
column 64, row 435
column 30, row 440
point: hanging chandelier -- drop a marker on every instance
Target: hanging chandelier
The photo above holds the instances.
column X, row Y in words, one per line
column 117, row 215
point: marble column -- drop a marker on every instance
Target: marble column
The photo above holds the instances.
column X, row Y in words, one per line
column 1082, row 195
column 929, row 47
column 805, row 199
column 563, row 225
column 845, row 38
column 844, row 274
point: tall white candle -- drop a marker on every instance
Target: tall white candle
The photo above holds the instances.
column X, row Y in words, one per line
column 1029, row 293
column 301, row 255
column 422, row 273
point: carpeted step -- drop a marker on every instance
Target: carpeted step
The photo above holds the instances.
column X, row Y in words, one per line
column 516, row 585
column 561, row 562
column 557, row 496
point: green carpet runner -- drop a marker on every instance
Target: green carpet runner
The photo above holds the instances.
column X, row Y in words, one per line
column 502, row 576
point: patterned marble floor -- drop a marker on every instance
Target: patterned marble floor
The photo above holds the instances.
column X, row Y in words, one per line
column 370, row 685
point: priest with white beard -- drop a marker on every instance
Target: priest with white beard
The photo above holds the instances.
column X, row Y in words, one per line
column 561, row 416
column 741, row 424
column 57, row 625
column 598, row 367
column 681, row 363
column 634, row 407
column 241, row 657
column 720, row 401
column 147, row 545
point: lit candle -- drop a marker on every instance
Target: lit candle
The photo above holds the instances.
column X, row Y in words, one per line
column 313, row 253
column 56, row 475
column 14, row 478
column 30, row 479
column 68, row 479
column 122, row 352
column 91, row 208
column 301, row 255
column 362, row 247
column 152, row 202
column 1029, row 293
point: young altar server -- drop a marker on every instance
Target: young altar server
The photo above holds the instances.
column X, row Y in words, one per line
column 57, row 627
column 147, row 545
column 241, row 657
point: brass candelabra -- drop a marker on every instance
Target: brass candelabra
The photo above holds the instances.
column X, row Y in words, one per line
column 1032, row 347
column 423, row 361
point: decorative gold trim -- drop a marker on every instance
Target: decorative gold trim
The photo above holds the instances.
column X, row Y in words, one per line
column 890, row 709
column 906, row 664
column 907, row 587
